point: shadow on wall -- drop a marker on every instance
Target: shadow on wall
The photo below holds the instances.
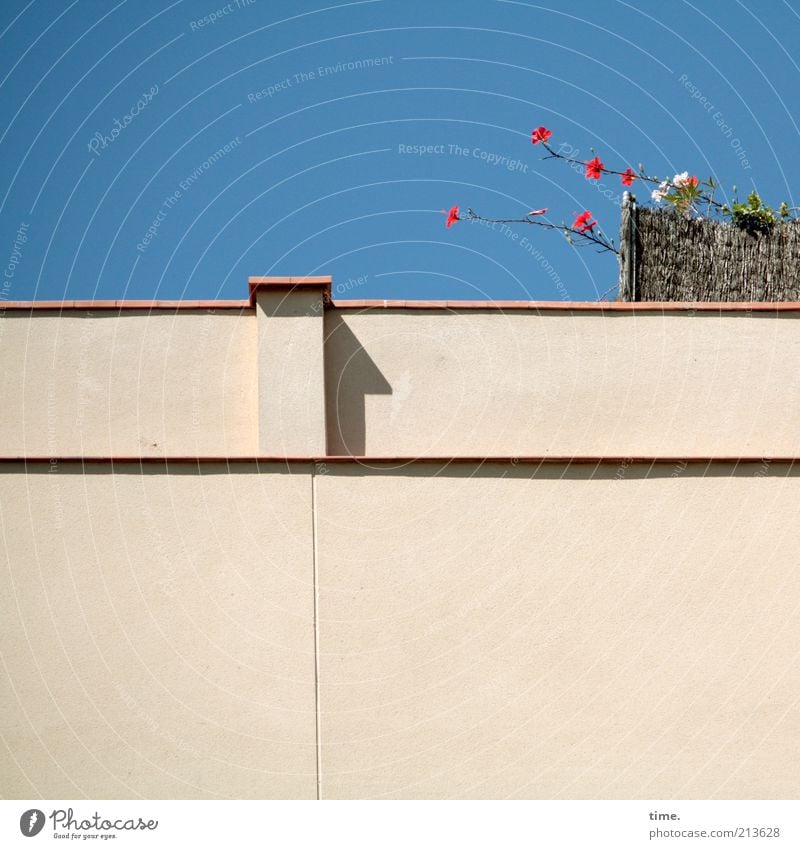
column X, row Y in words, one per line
column 589, row 473
column 350, row 375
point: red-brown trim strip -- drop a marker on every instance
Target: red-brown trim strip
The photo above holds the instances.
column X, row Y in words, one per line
column 283, row 282
column 255, row 283
column 60, row 306
column 579, row 306
column 549, row 459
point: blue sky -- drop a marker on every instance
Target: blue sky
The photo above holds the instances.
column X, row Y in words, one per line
column 234, row 154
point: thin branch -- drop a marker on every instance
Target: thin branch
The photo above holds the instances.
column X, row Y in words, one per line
column 610, row 289
column 587, row 236
column 554, row 154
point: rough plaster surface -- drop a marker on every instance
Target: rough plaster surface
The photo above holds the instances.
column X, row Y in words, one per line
column 483, row 632
column 157, row 634
column 291, row 373
column 443, row 383
column 584, row 633
column 397, row 382
column 135, row 383
column 475, row 630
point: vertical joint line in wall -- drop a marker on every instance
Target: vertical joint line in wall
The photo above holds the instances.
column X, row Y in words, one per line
column 317, row 745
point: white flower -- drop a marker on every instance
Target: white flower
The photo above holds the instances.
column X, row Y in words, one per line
column 681, row 180
column 662, row 191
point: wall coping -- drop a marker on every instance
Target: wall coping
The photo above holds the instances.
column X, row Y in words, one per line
column 579, row 306
column 256, row 284
column 324, row 282
column 494, row 306
column 63, row 306
column 539, row 459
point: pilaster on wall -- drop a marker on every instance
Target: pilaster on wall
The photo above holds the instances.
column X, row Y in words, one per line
column 291, row 366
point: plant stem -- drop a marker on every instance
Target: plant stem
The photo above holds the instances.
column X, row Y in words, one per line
column 554, row 154
column 583, row 236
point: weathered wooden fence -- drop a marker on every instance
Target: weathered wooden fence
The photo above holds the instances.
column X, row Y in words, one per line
column 665, row 257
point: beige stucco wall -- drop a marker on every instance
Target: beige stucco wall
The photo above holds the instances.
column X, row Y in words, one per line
column 377, row 629
column 131, row 383
column 448, row 383
column 291, row 372
column 483, row 631
column 156, row 633
column 397, row 382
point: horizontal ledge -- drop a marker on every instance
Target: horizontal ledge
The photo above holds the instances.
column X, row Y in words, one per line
column 550, row 459
column 282, row 282
column 60, row 306
column 531, row 306
column 579, row 306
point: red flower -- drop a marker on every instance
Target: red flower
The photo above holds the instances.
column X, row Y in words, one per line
column 540, row 134
column 583, row 222
column 594, row 168
column 452, row 216
column 693, row 182
column 628, row 177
